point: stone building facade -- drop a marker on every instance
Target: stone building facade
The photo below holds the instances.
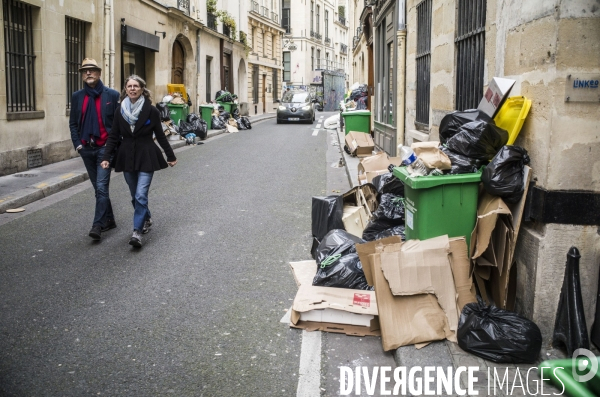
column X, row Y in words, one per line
column 164, row 41
column 544, row 47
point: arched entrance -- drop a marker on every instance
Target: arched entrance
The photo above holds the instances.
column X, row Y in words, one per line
column 178, row 64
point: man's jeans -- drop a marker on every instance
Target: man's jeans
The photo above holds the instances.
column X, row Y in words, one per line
column 139, row 185
column 100, row 178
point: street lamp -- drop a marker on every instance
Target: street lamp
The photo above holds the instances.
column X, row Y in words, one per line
column 289, row 44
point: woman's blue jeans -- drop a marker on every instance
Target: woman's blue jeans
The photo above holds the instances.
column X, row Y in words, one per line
column 139, row 186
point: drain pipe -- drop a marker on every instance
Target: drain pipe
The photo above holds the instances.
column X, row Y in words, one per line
column 401, row 75
column 112, row 45
column 107, row 37
column 198, row 69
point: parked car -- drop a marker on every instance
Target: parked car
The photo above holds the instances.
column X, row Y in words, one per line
column 296, row 105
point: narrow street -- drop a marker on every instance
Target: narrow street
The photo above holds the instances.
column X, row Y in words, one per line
column 196, row 311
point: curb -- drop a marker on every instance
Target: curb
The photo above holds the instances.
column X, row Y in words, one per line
column 41, row 190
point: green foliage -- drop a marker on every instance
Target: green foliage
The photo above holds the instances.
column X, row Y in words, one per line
column 211, row 6
column 244, row 41
column 228, row 21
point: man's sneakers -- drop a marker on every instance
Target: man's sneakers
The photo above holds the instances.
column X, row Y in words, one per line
column 96, row 232
column 111, row 224
column 147, row 226
column 136, row 239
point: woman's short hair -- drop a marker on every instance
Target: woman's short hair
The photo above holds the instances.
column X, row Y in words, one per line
column 145, row 92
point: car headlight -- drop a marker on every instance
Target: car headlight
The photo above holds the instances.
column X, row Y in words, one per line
column 307, row 107
column 282, row 107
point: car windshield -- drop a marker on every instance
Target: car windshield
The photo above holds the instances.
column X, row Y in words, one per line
column 296, row 97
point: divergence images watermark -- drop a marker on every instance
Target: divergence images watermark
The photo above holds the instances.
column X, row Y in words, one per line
column 434, row 381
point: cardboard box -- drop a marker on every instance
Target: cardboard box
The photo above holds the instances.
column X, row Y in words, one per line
column 370, row 167
column 365, row 196
column 341, row 310
column 355, row 220
column 495, row 95
column 360, row 144
column 417, row 318
column 493, row 243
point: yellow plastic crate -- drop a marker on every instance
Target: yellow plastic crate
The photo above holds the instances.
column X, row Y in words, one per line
column 511, row 116
column 177, row 88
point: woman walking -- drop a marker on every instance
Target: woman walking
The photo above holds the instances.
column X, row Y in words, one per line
column 138, row 156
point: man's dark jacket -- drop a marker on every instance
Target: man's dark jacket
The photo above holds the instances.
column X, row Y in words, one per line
column 109, row 103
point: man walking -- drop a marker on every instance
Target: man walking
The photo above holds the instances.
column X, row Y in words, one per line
column 90, row 122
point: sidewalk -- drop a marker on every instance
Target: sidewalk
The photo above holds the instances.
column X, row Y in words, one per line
column 22, row 188
column 449, row 354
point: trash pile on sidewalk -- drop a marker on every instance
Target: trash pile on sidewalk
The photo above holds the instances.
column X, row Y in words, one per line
column 356, row 99
column 226, row 114
column 422, row 250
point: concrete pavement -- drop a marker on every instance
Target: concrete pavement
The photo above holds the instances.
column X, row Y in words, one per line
column 17, row 190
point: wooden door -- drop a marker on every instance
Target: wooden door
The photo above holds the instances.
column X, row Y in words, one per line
column 264, row 93
column 178, row 64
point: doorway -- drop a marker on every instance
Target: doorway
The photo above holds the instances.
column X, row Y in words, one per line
column 178, row 64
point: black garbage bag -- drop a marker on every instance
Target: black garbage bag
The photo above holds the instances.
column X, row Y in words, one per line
column 453, row 121
column 200, row 127
column 241, row 125
column 595, row 336
column 236, row 113
column 163, row 110
column 337, row 262
column 498, row 335
column 361, row 103
column 224, row 96
column 218, row 123
column 378, row 229
column 478, row 139
column 388, row 183
column 570, row 328
column 226, row 115
column 186, row 128
column 246, row 121
column 391, row 209
column 326, row 215
column 504, row 175
column 461, row 164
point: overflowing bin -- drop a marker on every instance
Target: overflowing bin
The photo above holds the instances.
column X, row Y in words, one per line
column 178, row 112
column 438, row 205
column 228, row 106
column 357, row 120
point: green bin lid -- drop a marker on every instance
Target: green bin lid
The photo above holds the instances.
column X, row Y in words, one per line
column 357, row 113
column 424, row 182
column 207, row 106
column 176, row 105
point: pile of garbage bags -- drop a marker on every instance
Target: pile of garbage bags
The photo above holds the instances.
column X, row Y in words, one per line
column 224, row 96
column 193, row 127
column 357, row 99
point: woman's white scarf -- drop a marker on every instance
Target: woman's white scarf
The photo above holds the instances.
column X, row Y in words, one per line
column 131, row 111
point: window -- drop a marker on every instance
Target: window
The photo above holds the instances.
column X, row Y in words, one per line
column 287, row 66
column 19, row 56
column 312, row 15
column 470, row 49
column 285, row 16
column 208, row 77
column 75, row 52
column 318, row 19
column 423, row 61
column 134, row 62
column 255, row 72
column 327, row 66
column 318, row 59
column 326, row 24
column 312, row 58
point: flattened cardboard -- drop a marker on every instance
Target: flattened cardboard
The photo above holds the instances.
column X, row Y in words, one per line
column 431, row 155
column 327, row 300
column 493, row 243
column 461, row 271
column 360, row 144
column 355, row 220
column 406, row 320
column 362, row 196
column 423, row 267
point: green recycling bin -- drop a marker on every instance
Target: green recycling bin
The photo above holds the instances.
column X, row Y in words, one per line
column 563, row 374
column 228, row 106
column 438, row 205
column 206, row 114
column 357, row 120
column 178, row 112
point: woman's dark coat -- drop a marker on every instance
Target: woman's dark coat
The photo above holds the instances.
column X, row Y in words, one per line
column 137, row 151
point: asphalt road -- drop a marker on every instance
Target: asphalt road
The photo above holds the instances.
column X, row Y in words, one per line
column 196, row 311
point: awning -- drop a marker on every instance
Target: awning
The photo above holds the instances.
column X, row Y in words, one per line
column 140, row 38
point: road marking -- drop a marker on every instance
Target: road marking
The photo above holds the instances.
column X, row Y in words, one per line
column 309, row 381
column 318, row 126
column 315, row 133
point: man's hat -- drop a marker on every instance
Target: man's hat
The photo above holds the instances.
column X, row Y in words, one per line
column 89, row 63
